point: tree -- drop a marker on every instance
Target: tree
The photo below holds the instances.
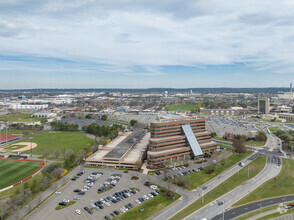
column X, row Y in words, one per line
column 80, row 156
column 56, row 153
column 88, row 116
column 45, row 153
column 44, row 121
column 68, row 153
column 44, row 182
column 3, row 209
column 26, row 133
column 133, row 122
column 239, row 146
column 57, row 172
column 104, row 117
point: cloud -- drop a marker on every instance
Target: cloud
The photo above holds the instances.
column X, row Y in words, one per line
column 120, row 36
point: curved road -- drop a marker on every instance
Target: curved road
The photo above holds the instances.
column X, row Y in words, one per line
column 187, row 199
column 213, row 209
column 241, row 210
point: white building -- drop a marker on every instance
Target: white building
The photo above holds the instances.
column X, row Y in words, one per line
column 27, row 107
column 44, row 115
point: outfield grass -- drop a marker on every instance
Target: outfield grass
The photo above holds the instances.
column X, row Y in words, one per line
column 278, row 186
column 181, row 107
column 234, row 181
column 13, row 171
column 62, row 140
column 197, row 179
column 248, row 143
column 22, row 117
column 150, row 207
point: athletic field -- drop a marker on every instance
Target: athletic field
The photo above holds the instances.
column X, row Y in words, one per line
column 12, row 171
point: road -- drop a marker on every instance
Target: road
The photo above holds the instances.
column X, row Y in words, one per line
column 213, row 209
column 241, row 210
column 188, row 198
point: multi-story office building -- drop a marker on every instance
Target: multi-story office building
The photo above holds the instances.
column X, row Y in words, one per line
column 263, row 105
column 177, row 138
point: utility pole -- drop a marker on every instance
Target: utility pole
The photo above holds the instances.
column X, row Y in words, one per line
column 224, row 210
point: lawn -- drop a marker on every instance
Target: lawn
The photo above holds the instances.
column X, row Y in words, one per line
column 273, row 129
column 234, row 181
column 181, row 107
column 195, row 180
column 61, row 140
column 277, row 214
column 13, row 171
column 22, row 117
column 16, row 131
column 257, row 212
column 248, row 143
column 278, row 186
column 150, row 207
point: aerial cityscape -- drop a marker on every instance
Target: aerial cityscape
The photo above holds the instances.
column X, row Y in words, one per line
column 146, row 110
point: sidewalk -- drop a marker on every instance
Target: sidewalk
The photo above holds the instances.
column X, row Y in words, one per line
column 262, row 214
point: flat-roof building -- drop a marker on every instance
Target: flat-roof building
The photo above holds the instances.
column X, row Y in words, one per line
column 263, row 105
column 174, row 138
column 126, row 150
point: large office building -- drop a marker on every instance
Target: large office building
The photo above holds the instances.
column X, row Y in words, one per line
column 263, row 105
column 175, row 138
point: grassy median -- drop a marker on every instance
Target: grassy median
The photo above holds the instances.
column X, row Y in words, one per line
column 234, row 181
column 197, row 179
column 150, row 207
column 280, row 185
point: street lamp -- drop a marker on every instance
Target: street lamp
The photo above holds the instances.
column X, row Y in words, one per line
column 31, row 138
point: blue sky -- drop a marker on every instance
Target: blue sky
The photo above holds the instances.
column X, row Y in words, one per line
column 143, row 44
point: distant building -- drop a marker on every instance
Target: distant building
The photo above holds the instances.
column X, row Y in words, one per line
column 263, row 105
column 176, row 138
column 27, row 107
column 44, row 115
column 230, row 111
column 287, row 116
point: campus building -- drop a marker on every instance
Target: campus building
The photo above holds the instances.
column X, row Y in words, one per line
column 176, row 138
column 127, row 151
column 263, row 105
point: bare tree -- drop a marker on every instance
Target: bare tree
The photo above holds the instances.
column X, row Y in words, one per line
column 45, row 153
column 68, row 153
column 56, row 153
column 3, row 209
column 80, row 156
column 58, row 172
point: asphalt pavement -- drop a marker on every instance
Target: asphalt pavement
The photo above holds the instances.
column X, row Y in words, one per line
column 213, row 209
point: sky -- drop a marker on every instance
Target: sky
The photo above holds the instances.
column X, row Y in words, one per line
column 146, row 44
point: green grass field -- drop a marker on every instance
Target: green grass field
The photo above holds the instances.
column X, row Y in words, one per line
column 16, row 131
column 181, row 107
column 278, row 186
column 234, row 181
column 195, row 180
column 13, row 171
column 22, row 117
column 61, row 139
column 254, row 213
column 248, row 143
column 150, row 207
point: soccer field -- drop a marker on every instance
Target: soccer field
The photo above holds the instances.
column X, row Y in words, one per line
column 12, row 171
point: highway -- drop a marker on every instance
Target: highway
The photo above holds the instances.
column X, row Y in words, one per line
column 213, row 209
column 241, row 210
column 190, row 197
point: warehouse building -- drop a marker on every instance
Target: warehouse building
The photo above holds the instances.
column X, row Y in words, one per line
column 174, row 138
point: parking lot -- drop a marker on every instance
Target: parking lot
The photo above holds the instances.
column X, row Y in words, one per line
column 91, row 196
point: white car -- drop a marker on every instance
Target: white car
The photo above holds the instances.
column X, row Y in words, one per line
column 107, row 203
column 122, row 210
column 137, row 201
column 151, row 196
column 58, row 192
column 65, row 200
column 76, row 198
column 93, row 205
column 78, row 211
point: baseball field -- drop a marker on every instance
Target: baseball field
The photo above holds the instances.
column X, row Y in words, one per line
column 13, row 171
